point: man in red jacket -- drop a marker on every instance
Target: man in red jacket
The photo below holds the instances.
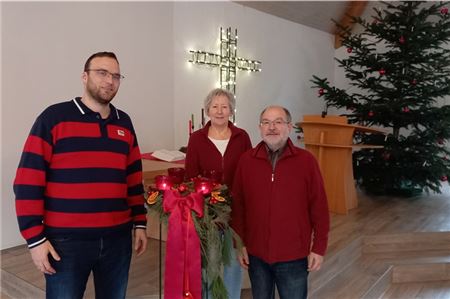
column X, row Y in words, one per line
column 280, row 211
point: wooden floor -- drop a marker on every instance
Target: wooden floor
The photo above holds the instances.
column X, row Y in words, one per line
column 369, row 253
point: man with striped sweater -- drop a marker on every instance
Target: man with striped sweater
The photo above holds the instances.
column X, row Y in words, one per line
column 79, row 193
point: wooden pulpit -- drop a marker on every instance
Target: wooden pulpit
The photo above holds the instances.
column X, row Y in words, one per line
column 330, row 140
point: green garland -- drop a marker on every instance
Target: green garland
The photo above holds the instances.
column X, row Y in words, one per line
column 216, row 236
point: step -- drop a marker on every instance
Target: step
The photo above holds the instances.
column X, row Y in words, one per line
column 425, row 290
column 368, row 266
column 421, row 272
column 416, row 241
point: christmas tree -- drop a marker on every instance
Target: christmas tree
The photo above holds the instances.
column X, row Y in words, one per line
column 398, row 68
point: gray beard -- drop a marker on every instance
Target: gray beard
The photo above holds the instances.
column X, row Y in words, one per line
column 275, row 147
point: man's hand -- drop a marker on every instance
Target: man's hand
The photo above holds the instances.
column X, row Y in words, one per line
column 242, row 257
column 140, row 241
column 314, row 261
column 39, row 254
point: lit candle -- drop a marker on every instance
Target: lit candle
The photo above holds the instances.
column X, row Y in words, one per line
column 202, row 185
column 203, row 117
column 163, row 182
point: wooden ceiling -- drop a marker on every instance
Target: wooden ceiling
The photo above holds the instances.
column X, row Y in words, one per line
column 315, row 14
column 353, row 9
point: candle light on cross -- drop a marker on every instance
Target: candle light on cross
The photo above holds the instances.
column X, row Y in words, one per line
column 227, row 61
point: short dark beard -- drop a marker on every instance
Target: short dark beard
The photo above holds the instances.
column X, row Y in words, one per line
column 95, row 96
column 100, row 100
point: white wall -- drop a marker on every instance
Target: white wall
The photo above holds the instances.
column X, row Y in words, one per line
column 45, row 45
column 290, row 54
column 9, row 202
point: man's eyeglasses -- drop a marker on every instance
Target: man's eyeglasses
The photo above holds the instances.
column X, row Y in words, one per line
column 105, row 74
column 276, row 123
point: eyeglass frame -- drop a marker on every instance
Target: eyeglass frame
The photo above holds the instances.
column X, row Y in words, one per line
column 276, row 123
column 117, row 77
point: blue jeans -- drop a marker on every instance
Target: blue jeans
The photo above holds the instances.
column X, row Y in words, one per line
column 232, row 277
column 108, row 258
column 291, row 278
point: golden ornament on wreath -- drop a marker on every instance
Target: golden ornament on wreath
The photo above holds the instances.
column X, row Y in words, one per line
column 216, row 196
column 152, row 197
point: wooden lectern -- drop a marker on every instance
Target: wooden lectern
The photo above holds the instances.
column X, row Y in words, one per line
column 330, row 140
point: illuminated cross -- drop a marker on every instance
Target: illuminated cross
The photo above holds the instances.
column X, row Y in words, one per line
column 227, row 60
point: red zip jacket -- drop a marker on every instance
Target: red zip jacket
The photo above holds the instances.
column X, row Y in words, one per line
column 203, row 155
column 279, row 213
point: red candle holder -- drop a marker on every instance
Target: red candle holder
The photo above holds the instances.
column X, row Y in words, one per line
column 176, row 174
column 163, row 182
column 203, row 185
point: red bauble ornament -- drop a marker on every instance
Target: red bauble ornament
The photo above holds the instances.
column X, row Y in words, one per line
column 349, row 50
column 444, row 178
column 371, row 113
column 401, row 40
column 414, row 82
column 321, row 91
column 382, row 72
column 405, row 109
column 444, row 10
column 440, row 141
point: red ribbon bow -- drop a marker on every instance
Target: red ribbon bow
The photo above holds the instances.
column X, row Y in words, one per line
column 183, row 246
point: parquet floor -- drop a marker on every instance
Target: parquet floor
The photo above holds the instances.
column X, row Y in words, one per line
column 374, row 216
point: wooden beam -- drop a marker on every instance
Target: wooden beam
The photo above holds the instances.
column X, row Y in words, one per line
column 354, row 9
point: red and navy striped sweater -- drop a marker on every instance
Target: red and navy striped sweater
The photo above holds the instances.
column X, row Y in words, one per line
column 79, row 175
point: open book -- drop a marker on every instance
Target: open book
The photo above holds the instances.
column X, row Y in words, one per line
column 168, row 156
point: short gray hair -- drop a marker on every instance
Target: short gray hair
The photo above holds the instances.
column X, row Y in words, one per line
column 220, row 92
column 288, row 114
